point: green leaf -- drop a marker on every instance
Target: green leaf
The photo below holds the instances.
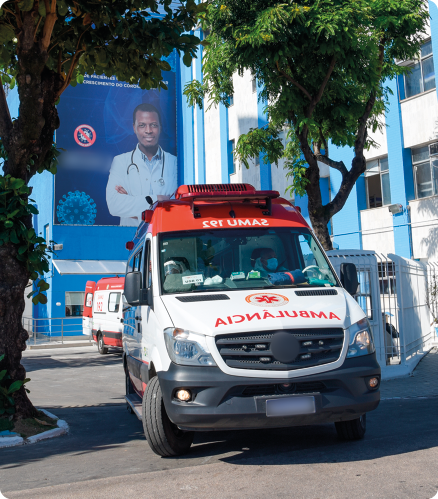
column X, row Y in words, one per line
column 6, row 33
column 62, row 7
column 25, row 5
column 15, row 386
column 9, row 224
column 187, row 59
column 2, row 374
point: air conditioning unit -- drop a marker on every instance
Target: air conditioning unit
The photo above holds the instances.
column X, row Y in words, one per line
column 58, row 247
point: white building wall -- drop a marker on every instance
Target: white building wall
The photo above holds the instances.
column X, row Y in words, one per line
column 377, row 230
column 420, row 119
column 242, row 116
column 424, row 220
column 381, row 147
column 212, row 146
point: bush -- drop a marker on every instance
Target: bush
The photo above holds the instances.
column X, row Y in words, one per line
column 7, row 388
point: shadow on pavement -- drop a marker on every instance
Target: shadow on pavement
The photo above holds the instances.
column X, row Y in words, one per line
column 396, row 427
column 77, row 360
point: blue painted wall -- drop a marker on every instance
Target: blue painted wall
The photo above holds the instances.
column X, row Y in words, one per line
column 185, row 129
column 346, row 223
column 223, row 132
column 400, row 174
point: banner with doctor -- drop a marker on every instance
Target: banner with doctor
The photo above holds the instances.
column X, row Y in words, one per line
column 119, row 146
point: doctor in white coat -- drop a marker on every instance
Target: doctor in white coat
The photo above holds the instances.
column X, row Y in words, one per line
column 145, row 171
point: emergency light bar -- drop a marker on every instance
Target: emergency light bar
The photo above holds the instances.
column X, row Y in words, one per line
column 224, row 192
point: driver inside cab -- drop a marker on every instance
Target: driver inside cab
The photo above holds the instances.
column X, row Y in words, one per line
column 267, row 263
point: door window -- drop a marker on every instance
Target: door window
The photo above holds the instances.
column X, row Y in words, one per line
column 113, row 302
column 89, row 300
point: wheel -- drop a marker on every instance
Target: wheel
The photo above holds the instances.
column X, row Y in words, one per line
column 352, row 430
column 163, row 437
column 101, row 345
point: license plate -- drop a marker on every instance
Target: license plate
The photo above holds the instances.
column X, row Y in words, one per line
column 290, row 406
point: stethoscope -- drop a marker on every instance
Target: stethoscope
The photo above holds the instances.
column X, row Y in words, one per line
column 161, row 180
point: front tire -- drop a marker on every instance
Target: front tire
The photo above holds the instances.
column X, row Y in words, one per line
column 101, row 345
column 163, row 437
column 352, row 430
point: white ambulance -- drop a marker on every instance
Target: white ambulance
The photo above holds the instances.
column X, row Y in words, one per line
column 103, row 312
column 237, row 320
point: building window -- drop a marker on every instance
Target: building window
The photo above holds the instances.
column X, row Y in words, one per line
column 74, row 303
column 425, row 164
column 422, row 75
column 377, row 183
column 231, row 100
column 254, row 85
column 231, row 158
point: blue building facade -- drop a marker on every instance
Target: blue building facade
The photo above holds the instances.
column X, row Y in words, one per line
column 393, row 208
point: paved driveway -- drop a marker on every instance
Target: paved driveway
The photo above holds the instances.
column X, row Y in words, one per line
column 106, row 455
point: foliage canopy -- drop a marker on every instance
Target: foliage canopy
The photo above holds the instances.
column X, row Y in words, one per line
column 322, row 66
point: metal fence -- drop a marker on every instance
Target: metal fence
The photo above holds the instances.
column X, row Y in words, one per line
column 393, row 292
column 55, row 330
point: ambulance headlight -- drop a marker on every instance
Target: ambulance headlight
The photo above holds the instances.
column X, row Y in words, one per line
column 187, row 348
column 361, row 339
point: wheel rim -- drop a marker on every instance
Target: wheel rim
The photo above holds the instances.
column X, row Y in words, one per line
column 101, row 343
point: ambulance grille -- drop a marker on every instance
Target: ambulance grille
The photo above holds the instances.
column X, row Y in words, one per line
column 253, row 350
column 317, row 292
column 281, row 389
column 201, row 188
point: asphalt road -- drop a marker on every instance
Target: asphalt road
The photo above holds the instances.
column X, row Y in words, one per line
column 106, row 455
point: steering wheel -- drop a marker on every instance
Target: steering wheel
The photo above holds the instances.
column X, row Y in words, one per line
column 313, row 268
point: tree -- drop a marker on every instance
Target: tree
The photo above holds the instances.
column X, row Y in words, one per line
column 322, row 66
column 46, row 46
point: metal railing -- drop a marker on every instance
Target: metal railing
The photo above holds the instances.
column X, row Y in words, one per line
column 55, row 330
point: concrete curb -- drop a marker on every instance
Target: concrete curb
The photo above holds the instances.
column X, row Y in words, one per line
column 62, row 429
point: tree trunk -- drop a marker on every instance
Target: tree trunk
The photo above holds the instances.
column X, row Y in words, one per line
column 13, row 280
column 320, row 228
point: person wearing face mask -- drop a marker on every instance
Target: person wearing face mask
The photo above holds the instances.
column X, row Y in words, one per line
column 268, row 263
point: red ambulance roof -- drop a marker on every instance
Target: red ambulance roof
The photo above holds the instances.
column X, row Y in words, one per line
column 110, row 283
column 213, row 205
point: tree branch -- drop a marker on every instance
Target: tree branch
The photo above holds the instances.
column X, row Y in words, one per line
column 17, row 15
column 5, row 117
column 317, row 98
column 337, row 165
column 74, row 62
column 49, row 23
column 321, row 136
column 305, row 92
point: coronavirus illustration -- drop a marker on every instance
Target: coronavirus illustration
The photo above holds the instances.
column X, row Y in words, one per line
column 76, row 208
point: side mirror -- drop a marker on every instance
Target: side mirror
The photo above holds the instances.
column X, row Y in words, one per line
column 349, row 277
column 132, row 288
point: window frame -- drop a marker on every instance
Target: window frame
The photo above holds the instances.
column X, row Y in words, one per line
column 232, row 145
column 380, row 174
column 415, row 164
column 411, row 64
column 82, row 303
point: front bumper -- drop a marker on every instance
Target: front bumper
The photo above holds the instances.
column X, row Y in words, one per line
column 219, row 401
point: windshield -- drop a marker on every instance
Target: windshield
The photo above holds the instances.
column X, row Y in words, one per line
column 241, row 259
